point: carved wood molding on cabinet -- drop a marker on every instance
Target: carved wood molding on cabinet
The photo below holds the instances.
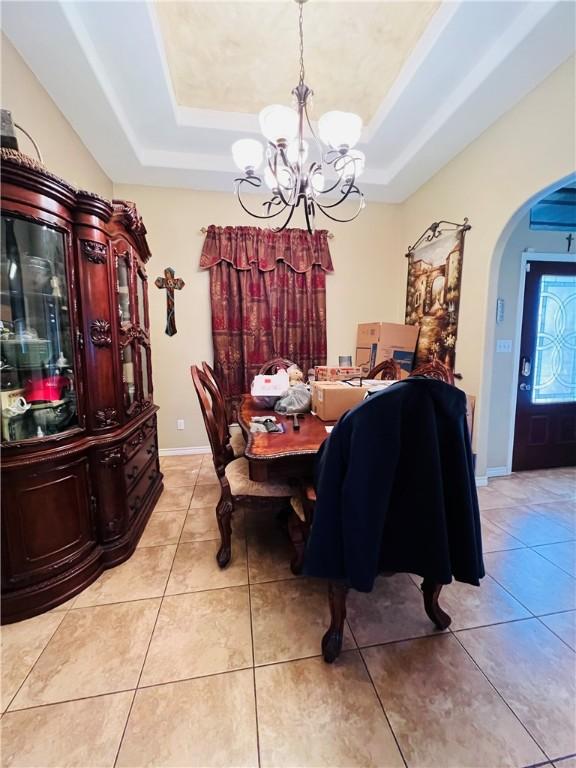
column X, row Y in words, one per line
column 106, row 417
column 112, row 458
column 130, row 333
column 101, row 333
column 94, row 252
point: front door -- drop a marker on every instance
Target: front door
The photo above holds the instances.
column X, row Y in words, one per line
column 545, row 431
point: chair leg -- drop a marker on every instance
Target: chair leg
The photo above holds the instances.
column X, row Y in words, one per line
column 431, row 591
column 332, row 640
column 298, row 533
column 224, row 518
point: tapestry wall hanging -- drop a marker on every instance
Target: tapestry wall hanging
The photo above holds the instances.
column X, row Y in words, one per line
column 433, row 290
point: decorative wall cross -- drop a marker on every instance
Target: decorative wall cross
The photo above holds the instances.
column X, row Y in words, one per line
column 170, row 283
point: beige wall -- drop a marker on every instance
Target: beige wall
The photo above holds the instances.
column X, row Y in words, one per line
column 504, row 364
column 367, row 285
column 62, row 150
column 531, row 147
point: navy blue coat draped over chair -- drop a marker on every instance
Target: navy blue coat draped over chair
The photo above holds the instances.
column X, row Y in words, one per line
column 396, row 491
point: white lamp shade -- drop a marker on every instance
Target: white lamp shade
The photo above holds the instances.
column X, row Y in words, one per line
column 339, row 129
column 278, row 122
column 353, row 163
column 247, row 153
column 293, row 153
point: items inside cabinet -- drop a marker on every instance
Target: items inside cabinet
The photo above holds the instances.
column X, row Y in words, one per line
column 38, row 392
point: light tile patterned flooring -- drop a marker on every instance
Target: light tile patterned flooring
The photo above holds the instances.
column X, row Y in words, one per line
column 168, row 661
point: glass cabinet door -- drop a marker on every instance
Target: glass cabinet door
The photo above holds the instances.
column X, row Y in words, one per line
column 123, row 283
column 141, row 298
column 134, row 349
column 128, row 375
column 38, row 391
column 145, row 372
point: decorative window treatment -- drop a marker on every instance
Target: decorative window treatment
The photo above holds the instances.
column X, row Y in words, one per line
column 268, row 298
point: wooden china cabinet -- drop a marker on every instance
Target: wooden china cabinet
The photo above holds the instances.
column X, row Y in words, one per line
column 80, row 470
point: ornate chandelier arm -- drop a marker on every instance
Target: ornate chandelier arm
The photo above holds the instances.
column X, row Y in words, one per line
column 279, row 229
column 254, row 181
column 281, row 188
column 334, row 157
column 351, row 189
column 342, row 221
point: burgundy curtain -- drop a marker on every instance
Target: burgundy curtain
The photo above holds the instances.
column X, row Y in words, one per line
column 268, row 298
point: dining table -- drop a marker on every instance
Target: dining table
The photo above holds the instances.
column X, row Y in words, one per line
column 288, row 454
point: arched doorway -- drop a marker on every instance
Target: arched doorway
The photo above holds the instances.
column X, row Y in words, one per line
column 517, row 245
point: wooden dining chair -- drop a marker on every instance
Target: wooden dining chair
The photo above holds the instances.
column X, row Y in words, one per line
column 235, row 436
column 272, row 366
column 337, row 594
column 387, row 370
column 236, row 487
column 435, row 370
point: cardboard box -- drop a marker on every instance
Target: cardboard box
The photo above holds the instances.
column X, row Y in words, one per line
column 328, row 373
column 363, row 357
column 380, row 341
column 330, row 399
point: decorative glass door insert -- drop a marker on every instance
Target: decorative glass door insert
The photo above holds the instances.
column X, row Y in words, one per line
column 38, row 392
column 555, row 351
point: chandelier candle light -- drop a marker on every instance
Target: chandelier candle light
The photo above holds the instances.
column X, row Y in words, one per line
column 287, row 174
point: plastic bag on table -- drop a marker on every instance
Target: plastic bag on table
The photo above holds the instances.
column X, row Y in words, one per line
column 296, row 400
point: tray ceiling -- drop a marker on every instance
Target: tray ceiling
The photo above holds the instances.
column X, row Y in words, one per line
column 240, row 57
column 158, row 92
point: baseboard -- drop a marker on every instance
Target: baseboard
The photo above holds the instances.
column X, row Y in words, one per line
column 497, row 472
column 184, row 451
column 481, row 480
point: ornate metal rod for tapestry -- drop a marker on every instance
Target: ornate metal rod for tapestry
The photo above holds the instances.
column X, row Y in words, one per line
column 203, row 231
column 435, row 231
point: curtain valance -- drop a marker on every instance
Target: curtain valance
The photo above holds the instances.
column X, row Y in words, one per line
column 245, row 247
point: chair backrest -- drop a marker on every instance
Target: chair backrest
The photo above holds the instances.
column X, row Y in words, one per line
column 435, row 370
column 214, row 415
column 387, row 370
column 209, row 371
column 272, row 366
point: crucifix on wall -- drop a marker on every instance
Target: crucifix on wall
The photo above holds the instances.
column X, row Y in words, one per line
column 170, row 283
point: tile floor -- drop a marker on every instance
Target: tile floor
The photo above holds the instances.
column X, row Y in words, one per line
column 168, row 661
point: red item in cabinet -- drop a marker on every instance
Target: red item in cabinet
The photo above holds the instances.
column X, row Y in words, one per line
column 47, row 389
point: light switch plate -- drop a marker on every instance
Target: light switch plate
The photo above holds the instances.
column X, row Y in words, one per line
column 180, row 424
column 504, row 345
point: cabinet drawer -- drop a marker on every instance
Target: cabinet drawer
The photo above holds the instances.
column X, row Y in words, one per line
column 137, row 438
column 138, row 461
column 138, row 495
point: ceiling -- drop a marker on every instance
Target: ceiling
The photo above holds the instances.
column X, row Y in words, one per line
column 158, row 91
column 353, row 52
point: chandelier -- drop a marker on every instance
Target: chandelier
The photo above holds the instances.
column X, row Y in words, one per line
column 322, row 183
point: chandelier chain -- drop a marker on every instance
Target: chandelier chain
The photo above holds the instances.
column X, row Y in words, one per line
column 301, row 29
